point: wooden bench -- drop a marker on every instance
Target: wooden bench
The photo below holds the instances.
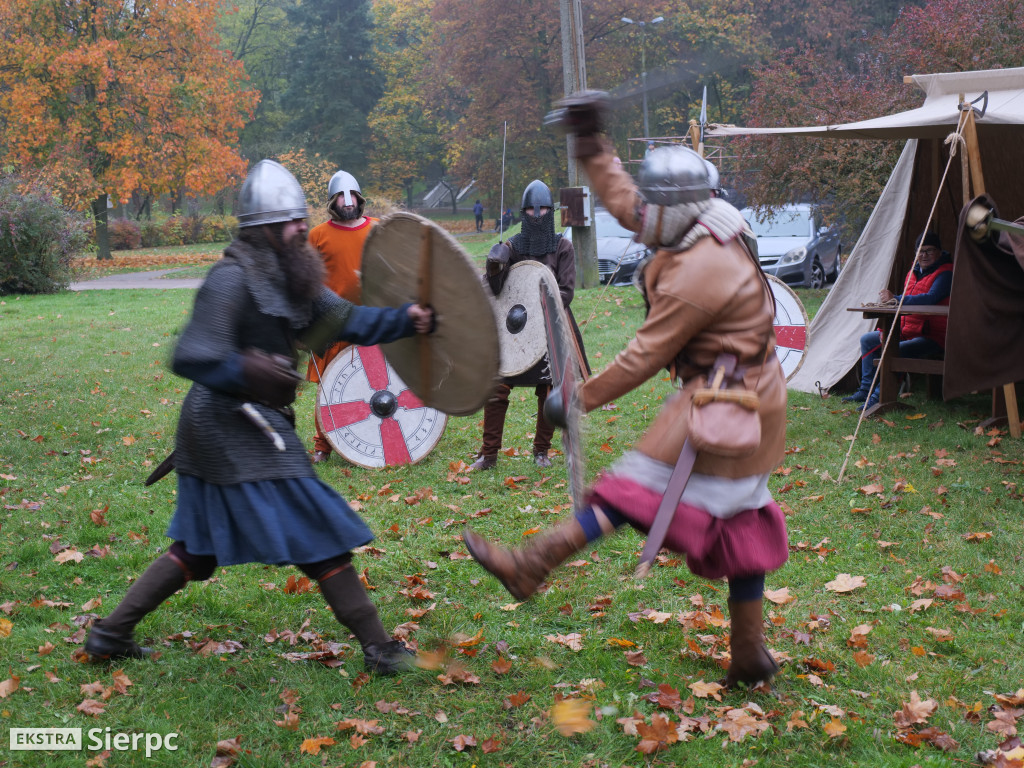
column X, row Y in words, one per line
column 891, row 365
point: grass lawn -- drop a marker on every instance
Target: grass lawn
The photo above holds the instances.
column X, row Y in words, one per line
column 898, row 616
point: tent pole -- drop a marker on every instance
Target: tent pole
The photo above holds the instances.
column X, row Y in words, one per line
column 978, row 182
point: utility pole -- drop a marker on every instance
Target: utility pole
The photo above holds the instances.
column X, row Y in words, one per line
column 643, row 62
column 574, row 73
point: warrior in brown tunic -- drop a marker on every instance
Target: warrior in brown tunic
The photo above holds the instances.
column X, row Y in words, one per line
column 705, row 298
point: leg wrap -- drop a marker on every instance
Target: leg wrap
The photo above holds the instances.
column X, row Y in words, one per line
column 494, row 420
column 195, row 567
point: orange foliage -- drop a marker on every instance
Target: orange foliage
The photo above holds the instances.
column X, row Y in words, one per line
column 111, row 97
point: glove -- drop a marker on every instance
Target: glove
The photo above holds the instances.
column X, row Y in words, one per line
column 555, row 411
column 581, row 114
column 498, row 255
column 271, row 379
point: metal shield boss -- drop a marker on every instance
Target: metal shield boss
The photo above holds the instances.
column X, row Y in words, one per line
column 520, row 319
column 791, row 334
column 407, row 258
column 565, row 373
column 370, row 416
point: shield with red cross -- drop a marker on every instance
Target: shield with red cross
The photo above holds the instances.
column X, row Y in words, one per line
column 370, row 416
column 790, row 327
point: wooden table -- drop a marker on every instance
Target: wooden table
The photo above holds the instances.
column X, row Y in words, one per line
column 890, row 364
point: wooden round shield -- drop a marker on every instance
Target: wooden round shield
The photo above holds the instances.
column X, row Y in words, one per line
column 408, row 258
column 520, row 319
column 790, row 327
column 370, row 416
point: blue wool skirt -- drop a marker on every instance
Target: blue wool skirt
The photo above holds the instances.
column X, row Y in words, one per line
column 277, row 522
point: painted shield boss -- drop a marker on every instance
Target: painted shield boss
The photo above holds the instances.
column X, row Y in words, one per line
column 408, row 258
column 790, row 323
column 520, row 319
column 370, row 416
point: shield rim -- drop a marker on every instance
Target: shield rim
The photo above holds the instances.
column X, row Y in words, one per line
column 327, row 432
column 774, row 281
column 404, row 363
column 572, row 434
column 532, row 264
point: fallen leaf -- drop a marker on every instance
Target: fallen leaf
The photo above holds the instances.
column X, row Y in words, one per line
column 702, row 690
column 779, row 596
column 844, row 582
column 92, row 707
column 834, row 729
column 571, row 716
column 9, row 686
column 313, row 746
column 915, row 711
column 463, row 742
column 573, row 641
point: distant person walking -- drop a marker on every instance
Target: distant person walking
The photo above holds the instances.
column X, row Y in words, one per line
column 478, row 213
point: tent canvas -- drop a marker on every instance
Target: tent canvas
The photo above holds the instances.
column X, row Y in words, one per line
column 884, row 251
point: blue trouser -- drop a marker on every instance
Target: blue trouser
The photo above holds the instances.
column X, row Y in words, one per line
column 871, row 350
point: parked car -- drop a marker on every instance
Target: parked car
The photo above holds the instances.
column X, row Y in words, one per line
column 794, row 246
column 617, row 253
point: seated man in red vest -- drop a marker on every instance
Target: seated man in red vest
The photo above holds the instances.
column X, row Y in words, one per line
column 929, row 282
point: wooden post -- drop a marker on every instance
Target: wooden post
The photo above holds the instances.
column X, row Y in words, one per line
column 978, row 182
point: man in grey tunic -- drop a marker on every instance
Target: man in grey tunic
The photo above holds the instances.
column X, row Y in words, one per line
column 246, row 489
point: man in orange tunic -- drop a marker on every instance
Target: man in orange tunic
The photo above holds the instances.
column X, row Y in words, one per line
column 340, row 243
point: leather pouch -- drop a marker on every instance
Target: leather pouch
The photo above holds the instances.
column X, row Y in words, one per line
column 725, row 422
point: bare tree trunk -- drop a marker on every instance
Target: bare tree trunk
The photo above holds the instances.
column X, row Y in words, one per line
column 99, row 215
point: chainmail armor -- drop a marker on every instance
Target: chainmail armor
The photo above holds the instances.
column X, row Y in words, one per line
column 537, row 235
column 244, row 303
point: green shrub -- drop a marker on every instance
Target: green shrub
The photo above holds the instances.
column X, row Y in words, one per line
column 152, row 234
column 219, row 229
column 38, row 238
column 172, row 232
column 124, row 234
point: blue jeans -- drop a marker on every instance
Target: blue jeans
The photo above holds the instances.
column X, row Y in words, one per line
column 871, row 350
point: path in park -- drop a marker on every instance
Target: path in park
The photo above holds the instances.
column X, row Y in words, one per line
column 151, row 279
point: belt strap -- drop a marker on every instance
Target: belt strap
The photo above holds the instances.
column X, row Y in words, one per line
column 667, row 508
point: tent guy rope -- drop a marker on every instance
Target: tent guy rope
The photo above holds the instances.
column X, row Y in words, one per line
column 953, row 140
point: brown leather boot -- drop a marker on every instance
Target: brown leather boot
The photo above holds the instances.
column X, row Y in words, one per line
column 543, row 432
column 494, row 426
column 522, row 571
column 353, row 608
column 751, row 661
column 113, row 637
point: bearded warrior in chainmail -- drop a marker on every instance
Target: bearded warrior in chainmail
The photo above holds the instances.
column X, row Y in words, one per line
column 246, row 489
column 536, row 241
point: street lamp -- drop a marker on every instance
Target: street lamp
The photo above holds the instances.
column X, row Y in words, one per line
column 643, row 61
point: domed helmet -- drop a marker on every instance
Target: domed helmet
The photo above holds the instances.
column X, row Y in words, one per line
column 270, row 194
column 537, row 233
column 673, row 175
column 345, row 184
column 536, row 196
column 714, row 180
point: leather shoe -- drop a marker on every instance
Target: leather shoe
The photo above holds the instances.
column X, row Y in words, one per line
column 104, row 645
column 857, row 397
column 542, row 460
column 484, row 462
column 388, row 658
column 319, row 456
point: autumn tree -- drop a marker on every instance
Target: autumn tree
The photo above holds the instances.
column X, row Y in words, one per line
column 406, row 128
column 102, row 97
column 809, row 87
